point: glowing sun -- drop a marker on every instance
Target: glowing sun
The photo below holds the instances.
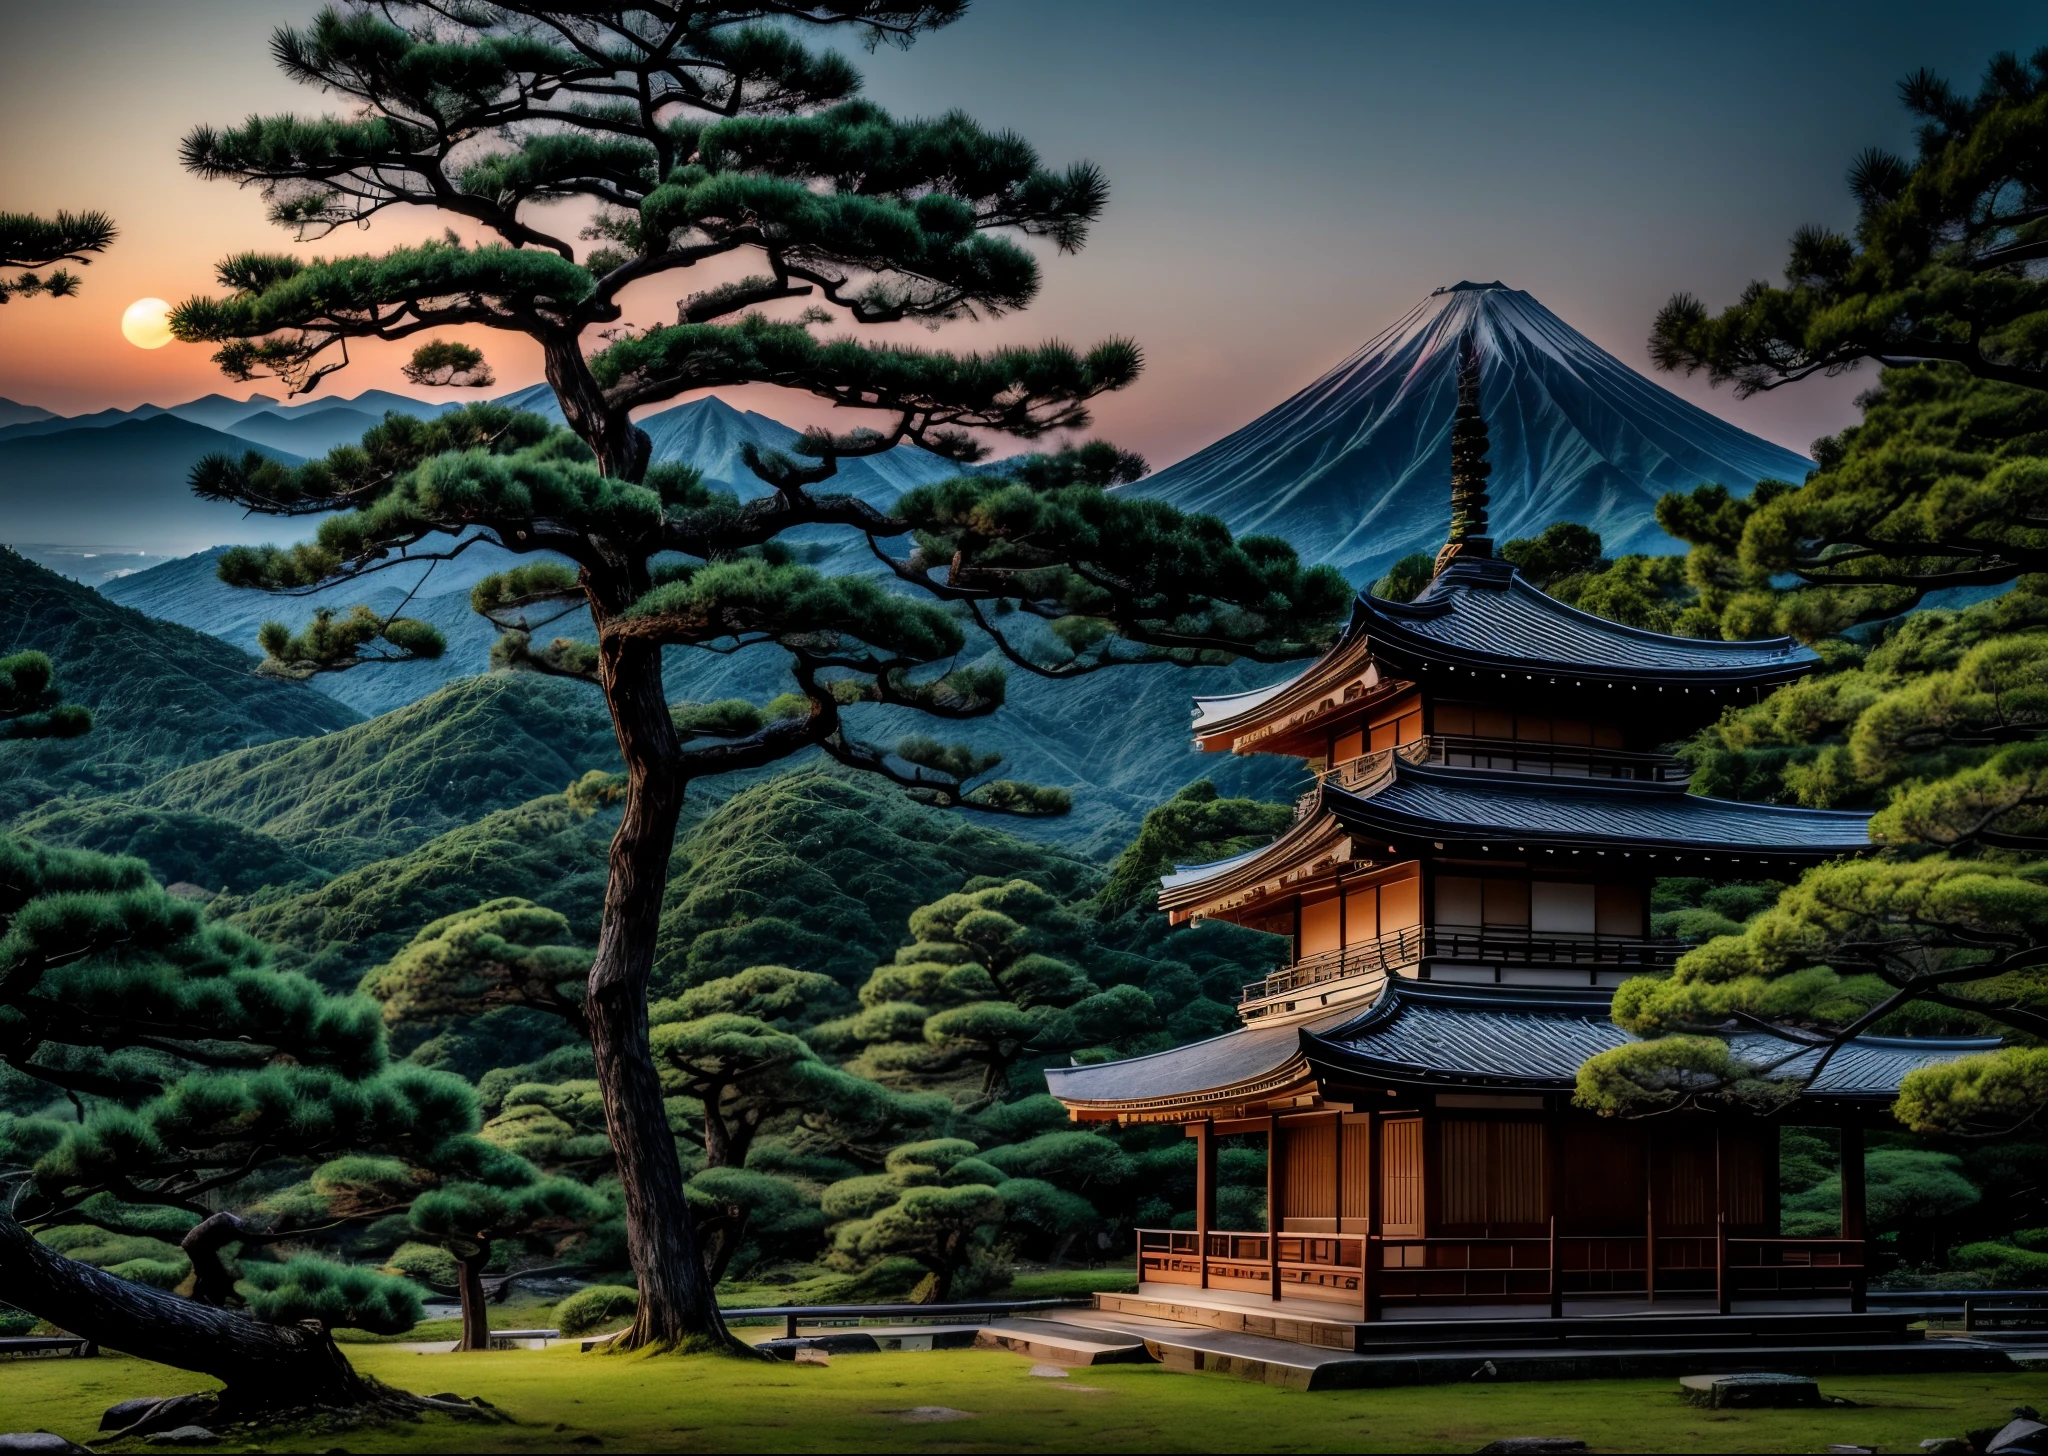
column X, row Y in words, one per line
column 147, row 324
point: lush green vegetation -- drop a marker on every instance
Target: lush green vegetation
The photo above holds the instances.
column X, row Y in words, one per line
column 559, row 1398
column 375, row 789
column 162, row 695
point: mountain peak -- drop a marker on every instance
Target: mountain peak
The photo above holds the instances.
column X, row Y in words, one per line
column 1355, row 469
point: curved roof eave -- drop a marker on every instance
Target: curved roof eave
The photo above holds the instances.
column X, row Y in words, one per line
column 1413, row 801
column 1608, row 650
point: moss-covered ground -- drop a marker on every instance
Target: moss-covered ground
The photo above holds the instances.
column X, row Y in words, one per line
column 561, row 1399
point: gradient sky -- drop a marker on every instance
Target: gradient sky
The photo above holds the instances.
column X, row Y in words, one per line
column 1287, row 179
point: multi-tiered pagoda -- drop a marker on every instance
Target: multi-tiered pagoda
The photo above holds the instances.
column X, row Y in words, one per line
column 1463, row 889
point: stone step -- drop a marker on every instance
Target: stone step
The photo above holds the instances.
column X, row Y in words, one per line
column 1058, row 1342
column 1296, row 1367
column 1477, row 1331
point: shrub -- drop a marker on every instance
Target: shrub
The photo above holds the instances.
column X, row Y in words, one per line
column 427, row 1264
column 594, row 1307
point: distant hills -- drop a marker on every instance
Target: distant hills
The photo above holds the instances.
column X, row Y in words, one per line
column 164, row 695
column 1354, row 469
column 21, row 414
column 121, row 485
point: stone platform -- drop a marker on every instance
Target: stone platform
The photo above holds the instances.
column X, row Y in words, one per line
column 1307, row 1346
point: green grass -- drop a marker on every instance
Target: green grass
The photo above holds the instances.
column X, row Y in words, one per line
column 560, row 1397
column 1065, row 1283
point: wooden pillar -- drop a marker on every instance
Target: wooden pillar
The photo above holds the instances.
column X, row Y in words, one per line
column 1553, row 1174
column 1275, row 1197
column 1852, row 1211
column 1724, row 1296
column 1649, row 1218
column 1205, row 1189
column 1372, row 1212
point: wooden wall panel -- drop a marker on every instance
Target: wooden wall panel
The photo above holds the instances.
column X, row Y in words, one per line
column 1357, row 1192
column 1603, row 1192
column 1401, row 1176
column 1518, row 1194
column 1685, row 1179
column 1492, row 1173
column 1744, row 1153
column 1310, row 1170
column 1321, row 926
column 1463, row 1158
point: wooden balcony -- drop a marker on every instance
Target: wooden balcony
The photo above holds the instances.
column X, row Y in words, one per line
column 1374, row 960
column 1510, row 755
column 1379, row 1271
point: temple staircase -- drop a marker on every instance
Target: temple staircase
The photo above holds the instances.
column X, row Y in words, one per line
column 1304, row 1347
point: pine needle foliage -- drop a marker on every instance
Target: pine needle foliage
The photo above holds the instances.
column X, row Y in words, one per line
column 1943, row 263
column 29, row 242
column 31, row 705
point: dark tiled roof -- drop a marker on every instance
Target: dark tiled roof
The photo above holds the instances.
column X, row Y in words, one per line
column 1228, row 1060
column 1482, row 614
column 1869, row 1066
column 1422, row 802
column 1508, row 1036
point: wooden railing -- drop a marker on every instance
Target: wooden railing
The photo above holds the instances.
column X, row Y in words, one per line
column 1373, row 1271
column 1486, row 944
column 1506, row 755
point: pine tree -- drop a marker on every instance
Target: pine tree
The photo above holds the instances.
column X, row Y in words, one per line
column 192, row 1063
column 1943, row 266
column 31, row 706
column 986, row 981
column 1942, row 728
column 28, row 242
column 936, row 1202
column 698, row 135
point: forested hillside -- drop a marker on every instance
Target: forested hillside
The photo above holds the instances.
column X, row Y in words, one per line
column 164, row 695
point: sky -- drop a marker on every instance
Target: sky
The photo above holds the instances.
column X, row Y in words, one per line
column 1286, row 179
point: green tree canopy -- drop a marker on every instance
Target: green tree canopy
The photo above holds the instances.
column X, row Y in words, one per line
column 506, row 952
column 1941, row 264
column 936, row 1202
column 31, row 706
column 200, row 1076
column 988, row 979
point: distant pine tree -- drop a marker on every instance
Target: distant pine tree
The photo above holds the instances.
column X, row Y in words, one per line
column 31, row 705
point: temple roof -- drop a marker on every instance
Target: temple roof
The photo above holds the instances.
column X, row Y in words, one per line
column 1449, row 1035
column 1536, row 1038
column 1480, row 614
column 1314, row 843
column 1416, row 801
column 1241, row 1059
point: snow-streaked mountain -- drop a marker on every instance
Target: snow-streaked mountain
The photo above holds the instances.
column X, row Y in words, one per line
column 1354, row 470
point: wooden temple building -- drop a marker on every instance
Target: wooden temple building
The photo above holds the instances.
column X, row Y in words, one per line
column 1464, row 887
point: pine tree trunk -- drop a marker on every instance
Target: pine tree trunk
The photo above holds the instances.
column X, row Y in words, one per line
column 622, row 448
column 677, row 1305
column 264, row 1367
column 476, row 1320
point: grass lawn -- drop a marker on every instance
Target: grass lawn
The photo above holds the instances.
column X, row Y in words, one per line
column 563, row 1399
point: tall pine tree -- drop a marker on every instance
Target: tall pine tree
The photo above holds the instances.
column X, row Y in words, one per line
column 687, row 134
